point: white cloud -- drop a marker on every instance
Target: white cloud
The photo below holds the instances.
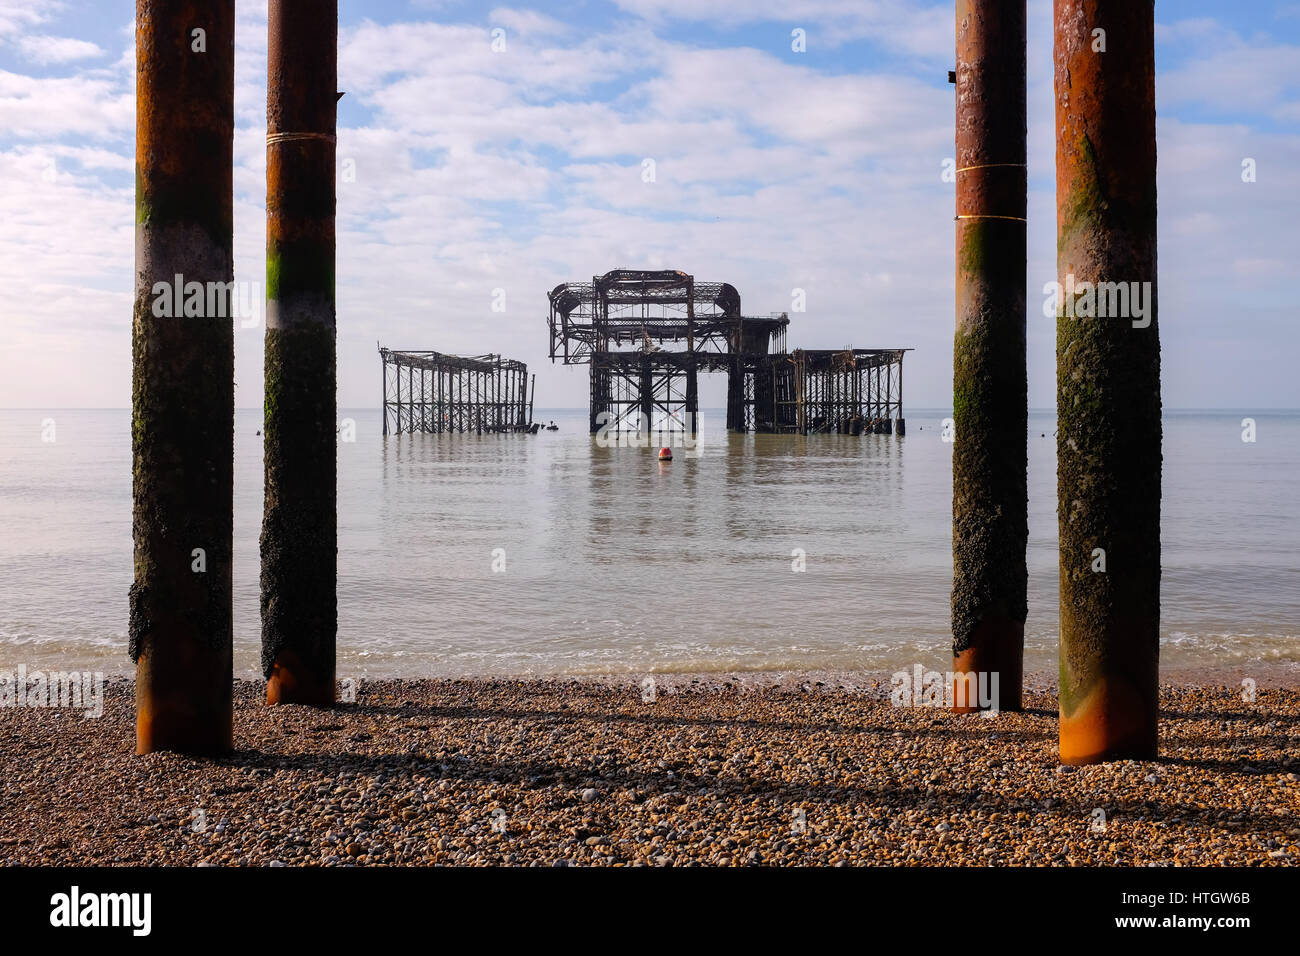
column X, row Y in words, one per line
column 47, row 49
column 528, row 23
column 1224, row 72
column 16, row 16
column 91, row 105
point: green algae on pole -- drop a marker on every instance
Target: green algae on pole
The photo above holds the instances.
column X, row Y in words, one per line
column 990, row 398
column 299, row 524
column 1108, row 380
column 182, row 377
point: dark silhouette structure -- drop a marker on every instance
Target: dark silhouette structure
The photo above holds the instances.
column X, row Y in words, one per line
column 436, row 392
column 648, row 334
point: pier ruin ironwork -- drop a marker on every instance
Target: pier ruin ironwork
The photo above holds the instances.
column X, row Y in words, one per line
column 648, row 334
column 435, row 392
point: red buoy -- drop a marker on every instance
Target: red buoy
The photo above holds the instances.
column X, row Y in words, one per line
column 665, row 454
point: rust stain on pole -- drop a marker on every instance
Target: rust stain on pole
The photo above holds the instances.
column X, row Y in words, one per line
column 299, row 527
column 990, row 398
column 182, row 386
column 1108, row 379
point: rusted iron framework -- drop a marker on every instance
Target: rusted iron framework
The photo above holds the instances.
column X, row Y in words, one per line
column 435, row 392
column 847, row 391
column 648, row 334
column 630, row 310
column 629, row 388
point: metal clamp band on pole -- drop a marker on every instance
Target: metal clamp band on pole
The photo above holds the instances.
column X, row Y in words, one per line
column 1011, row 218
column 272, row 138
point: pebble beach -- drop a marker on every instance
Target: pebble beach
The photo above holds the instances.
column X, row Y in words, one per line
column 717, row 771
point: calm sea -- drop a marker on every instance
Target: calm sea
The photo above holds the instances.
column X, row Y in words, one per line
column 617, row 564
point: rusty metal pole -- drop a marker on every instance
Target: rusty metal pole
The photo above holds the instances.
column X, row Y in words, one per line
column 990, row 396
column 299, row 525
column 1108, row 380
column 182, row 383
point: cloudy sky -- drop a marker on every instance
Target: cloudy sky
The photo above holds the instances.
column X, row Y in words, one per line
column 774, row 170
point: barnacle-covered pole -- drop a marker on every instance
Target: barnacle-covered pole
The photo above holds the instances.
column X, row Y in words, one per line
column 182, row 377
column 1108, row 380
column 299, row 523
column 990, row 397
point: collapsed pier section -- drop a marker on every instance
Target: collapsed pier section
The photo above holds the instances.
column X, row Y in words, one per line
column 648, row 334
column 845, row 391
column 434, row 392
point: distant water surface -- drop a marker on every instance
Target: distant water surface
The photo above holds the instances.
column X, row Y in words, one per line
column 617, row 564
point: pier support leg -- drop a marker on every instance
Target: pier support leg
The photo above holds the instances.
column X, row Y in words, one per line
column 692, row 401
column 990, row 398
column 182, row 382
column 645, row 393
column 1108, row 381
column 600, row 408
column 299, row 539
column 736, row 397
